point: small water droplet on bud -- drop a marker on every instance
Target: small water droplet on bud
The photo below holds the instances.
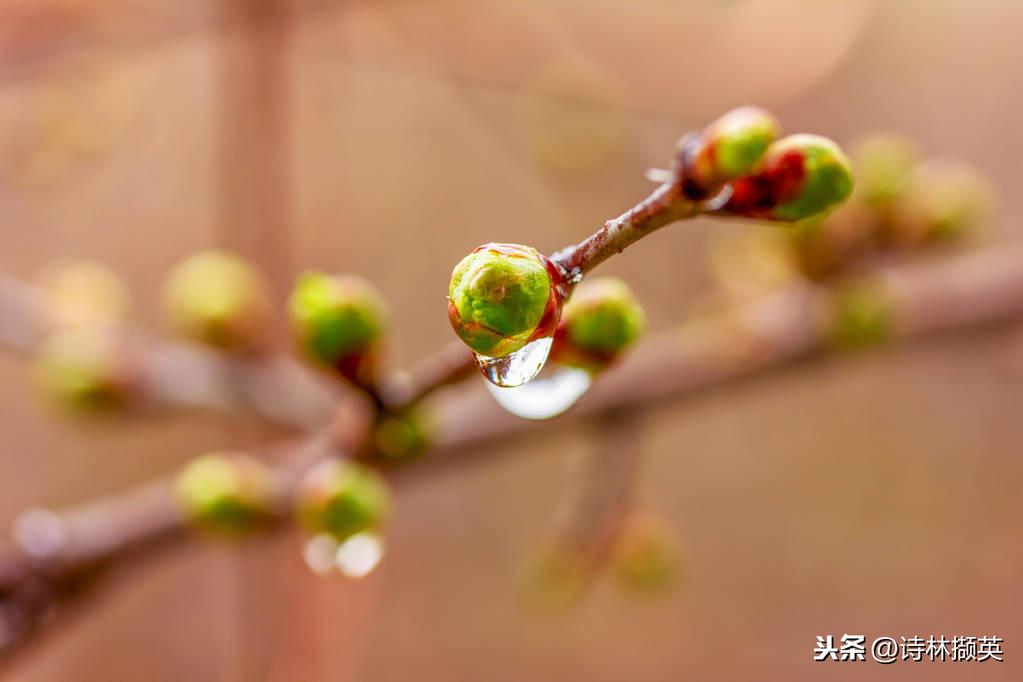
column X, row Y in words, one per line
column 515, row 369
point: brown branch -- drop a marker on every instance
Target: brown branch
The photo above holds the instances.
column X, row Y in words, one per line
column 275, row 387
column 450, row 365
column 59, row 558
column 664, row 206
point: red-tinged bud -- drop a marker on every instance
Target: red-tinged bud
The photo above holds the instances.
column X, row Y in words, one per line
column 800, row 176
column 728, row 148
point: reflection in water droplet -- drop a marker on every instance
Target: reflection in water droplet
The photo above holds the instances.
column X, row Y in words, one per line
column 359, row 555
column 519, row 367
column 545, row 397
column 319, row 554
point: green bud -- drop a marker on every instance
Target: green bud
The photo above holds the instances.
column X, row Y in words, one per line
column 861, row 315
column 401, row 437
column 800, row 176
column 646, row 556
column 728, row 148
column 944, row 200
column 600, row 321
column 86, row 368
column 83, row 293
column 217, row 298
column 554, row 578
column 339, row 321
column 883, row 166
column 226, row 493
column 341, row 498
column 501, row 297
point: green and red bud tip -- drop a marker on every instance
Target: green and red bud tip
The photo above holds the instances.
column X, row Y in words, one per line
column 225, row 493
column 342, row 498
column 502, row 297
column 800, row 176
column 217, row 298
column 339, row 321
column 728, row 148
column 599, row 322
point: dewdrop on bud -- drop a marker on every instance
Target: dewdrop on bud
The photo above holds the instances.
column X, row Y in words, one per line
column 225, row 493
column 504, row 302
column 341, row 498
column 82, row 293
column 339, row 321
column 800, row 176
column 944, row 200
column 599, row 322
column 218, row 299
column 646, row 555
column 728, row 148
column 86, row 368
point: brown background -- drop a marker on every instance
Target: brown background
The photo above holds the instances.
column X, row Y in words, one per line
column 878, row 494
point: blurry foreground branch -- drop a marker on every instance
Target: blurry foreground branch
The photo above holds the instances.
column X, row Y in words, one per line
column 57, row 558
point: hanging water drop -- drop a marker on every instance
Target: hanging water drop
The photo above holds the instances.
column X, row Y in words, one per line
column 319, row 553
column 359, row 555
column 516, row 368
column 545, row 397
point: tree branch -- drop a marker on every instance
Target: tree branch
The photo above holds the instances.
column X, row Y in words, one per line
column 58, row 558
column 664, row 206
column 179, row 375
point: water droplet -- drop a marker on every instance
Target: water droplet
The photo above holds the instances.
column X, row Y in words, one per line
column 519, row 367
column 319, row 554
column 359, row 555
column 545, row 397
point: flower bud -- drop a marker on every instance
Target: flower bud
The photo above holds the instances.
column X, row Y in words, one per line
column 599, row 322
column 728, row 148
column 341, row 498
column 554, row 577
column 860, row 315
column 227, row 493
column 217, row 298
column 799, row 177
column 646, row 555
column 339, row 321
column 402, row 436
column 86, row 368
column 82, row 293
column 944, row 200
column 884, row 164
column 502, row 296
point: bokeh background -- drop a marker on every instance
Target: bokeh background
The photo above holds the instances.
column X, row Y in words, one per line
column 877, row 494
